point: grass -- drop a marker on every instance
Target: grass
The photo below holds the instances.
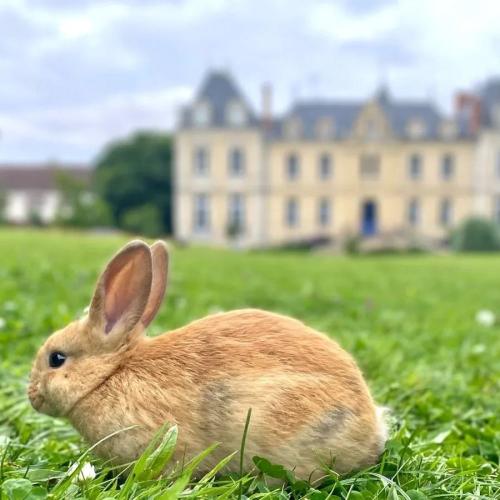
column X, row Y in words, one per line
column 409, row 321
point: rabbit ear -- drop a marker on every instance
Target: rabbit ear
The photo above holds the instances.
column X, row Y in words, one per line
column 159, row 256
column 122, row 292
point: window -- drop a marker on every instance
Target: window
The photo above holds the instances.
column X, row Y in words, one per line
column 292, row 212
column 324, row 212
column 293, row 128
column 325, row 166
column 324, row 128
column 447, row 167
column 448, row 130
column 415, row 166
column 369, row 166
column 201, row 212
column 372, row 130
column 445, row 212
column 292, row 167
column 201, row 114
column 416, row 128
column 236, row 163
column 413, row 212
column 236, row 113
column 201, row 166
column 236, row 214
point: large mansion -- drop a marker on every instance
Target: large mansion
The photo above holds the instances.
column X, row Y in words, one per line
column 389, row 171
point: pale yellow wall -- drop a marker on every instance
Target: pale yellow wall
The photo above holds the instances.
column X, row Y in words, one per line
column 218, row 184
column 486, row 179
column 266, row 187
column 347, row 189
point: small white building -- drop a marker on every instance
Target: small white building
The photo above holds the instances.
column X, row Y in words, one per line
column 32, row 191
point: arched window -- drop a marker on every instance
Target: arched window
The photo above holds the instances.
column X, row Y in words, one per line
column 445, row 212
column 236, row 162
column 447, row 167
column 416, row 128
column 201, row 213
column 202, row 114
column 236, row 113
column 325, row 128
column 292, row 167
column 293, row 128
column 201, row 163
column 413, row 212
column 448, row 130
column 324, row 212
column 415, row 166
column 236, row 214
column 325, row 166
column 292, row 212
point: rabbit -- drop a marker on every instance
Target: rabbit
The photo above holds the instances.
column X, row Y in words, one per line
column 311, row 407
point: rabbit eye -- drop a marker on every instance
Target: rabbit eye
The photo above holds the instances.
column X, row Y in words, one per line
column 56, row 359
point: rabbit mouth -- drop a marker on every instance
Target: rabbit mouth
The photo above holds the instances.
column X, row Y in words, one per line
column 36, row 399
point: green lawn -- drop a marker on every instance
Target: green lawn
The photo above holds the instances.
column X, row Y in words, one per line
column 409, row 321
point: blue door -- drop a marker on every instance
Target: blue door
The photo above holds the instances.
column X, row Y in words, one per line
column 369, row 218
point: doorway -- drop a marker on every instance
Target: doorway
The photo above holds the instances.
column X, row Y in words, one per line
column 369, row 218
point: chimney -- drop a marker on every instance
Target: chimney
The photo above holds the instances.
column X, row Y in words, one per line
column 468, row 107
column 266, row 96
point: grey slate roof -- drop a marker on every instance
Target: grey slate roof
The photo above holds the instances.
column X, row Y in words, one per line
column 39, row 177
column 490, row 97
column 219, row 89
column 400, row 114
column 344, row 115
column 310, row 113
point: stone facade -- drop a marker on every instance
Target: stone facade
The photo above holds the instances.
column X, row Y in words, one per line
column 394, row 173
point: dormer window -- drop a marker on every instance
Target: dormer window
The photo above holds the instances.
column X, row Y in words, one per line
column 448, row 129
column 324, row 128
column 372, row 130
column 293, row 128
column 201, row 114
column 236, row 113
column 416, row 128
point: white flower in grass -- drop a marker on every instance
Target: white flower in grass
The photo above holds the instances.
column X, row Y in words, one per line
column 484, row 317
column 9, row 306
column 478, row 349
column 86, row 472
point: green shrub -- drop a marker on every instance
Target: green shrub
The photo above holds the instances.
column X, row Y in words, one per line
column 476, row 235
column 35, row 219
column 145, row 220
column 80, row 207
column 351, row 244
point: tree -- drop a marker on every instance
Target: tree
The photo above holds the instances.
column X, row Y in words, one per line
column 79, row 206
column 144, row 219
column 135, row 172
column 476, row 235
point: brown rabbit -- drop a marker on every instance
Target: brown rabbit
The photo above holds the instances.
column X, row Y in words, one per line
column 310, row 404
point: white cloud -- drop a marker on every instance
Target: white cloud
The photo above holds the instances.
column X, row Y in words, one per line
column 451, row 40
column 75, row 27
column 76, row 74
column 331, row 20
column 90, row 127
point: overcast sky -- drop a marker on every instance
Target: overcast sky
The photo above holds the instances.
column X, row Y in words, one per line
column 75, row 74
